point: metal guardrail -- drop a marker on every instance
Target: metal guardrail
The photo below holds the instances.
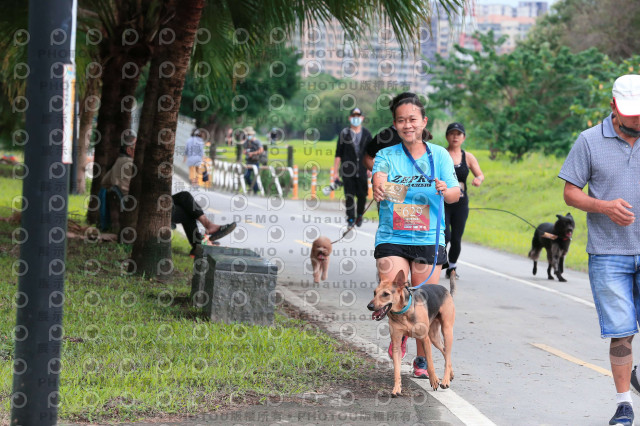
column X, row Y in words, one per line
column 230, row 176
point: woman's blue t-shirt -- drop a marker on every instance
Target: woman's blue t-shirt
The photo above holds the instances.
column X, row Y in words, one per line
column 420, row 192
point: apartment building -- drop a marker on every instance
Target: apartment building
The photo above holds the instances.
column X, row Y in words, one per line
column 377, row 61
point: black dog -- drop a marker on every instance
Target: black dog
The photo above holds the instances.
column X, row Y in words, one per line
column 555, row 238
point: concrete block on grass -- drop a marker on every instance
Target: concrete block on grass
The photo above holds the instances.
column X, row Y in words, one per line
column 236, row 288
column 201, row 266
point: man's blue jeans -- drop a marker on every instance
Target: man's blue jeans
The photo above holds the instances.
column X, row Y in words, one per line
column 615, row 284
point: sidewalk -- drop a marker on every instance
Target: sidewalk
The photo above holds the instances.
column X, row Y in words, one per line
column 345, row 407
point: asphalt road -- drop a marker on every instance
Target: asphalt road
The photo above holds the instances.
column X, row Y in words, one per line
column 527, row 350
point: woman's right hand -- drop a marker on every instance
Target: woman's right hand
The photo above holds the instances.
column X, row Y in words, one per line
column 377, row 183
column 378, row 192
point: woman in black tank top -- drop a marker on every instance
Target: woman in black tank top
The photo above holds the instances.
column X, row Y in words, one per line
column 456, row 214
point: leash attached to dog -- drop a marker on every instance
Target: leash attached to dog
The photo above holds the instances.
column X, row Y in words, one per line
column 438, row 214
column 352, row 226
column 544, row 234
column 504, row 211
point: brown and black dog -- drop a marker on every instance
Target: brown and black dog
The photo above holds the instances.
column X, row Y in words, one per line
column 429, row 318
column 320, row 252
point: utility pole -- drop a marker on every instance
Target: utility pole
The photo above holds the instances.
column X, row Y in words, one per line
column 41, row 268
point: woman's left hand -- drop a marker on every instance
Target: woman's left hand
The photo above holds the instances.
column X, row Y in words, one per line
column 476, row 182
column 440, row 185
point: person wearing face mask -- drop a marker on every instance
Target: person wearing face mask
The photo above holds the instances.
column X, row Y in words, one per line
column 606, row 157
column 351, row 167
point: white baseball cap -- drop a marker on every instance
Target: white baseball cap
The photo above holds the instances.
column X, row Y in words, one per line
column 626, row 94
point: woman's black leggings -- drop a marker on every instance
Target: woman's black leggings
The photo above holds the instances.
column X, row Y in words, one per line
column 456, row 215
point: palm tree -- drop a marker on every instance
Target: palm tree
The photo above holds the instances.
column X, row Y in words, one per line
column 113, row 39
column 151, row 251
column 127, row 30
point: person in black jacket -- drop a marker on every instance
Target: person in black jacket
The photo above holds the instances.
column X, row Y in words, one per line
column 388, row 136
column 349, row 162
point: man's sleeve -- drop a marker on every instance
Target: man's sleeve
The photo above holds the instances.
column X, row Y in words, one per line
column 339, row 145
column 368, row 139
column 121, row 174
column 372, row 147
column 577, row 167
column 106, row 179
column 369, row 147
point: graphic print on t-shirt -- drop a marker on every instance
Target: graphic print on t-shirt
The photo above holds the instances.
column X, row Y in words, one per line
column 411, row 217
column 413, row 181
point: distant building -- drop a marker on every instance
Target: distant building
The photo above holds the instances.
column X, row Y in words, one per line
column 514, row 22
column 377, row 60
column 503, row 19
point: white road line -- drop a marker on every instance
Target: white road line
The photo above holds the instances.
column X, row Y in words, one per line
column 250, row 203
column 499, row 274
column 531, row 284
column 335, row 225
column 573, row 359
column 467, row 413
column 303, row 243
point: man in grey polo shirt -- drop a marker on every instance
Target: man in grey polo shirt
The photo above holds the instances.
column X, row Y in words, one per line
column 607, row 158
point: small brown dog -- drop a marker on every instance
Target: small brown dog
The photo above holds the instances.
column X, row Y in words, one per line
column 429, row 316
column 320, row 252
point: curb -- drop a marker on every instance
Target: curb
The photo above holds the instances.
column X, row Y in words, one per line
column 465, row 412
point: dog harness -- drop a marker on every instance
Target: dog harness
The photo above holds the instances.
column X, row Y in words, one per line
column 438, row 214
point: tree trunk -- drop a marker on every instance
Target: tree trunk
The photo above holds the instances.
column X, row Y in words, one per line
column 105, row 154
column 88, row 107
column 147, row 117
column 119, row 81
column 152, row 249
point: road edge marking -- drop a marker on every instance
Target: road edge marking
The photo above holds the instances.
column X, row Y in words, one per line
column 303, row 243
column 571, row 358
column 531, row 284
column 459, row 407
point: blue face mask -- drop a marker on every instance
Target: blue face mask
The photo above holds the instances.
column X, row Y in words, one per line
column 355, row 121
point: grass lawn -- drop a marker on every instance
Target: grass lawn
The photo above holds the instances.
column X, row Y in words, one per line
column 134, row 348
column 532, row 190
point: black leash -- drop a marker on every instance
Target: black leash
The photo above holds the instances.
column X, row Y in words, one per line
column 470, row 208
column 352, row 226
column 505, row 211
